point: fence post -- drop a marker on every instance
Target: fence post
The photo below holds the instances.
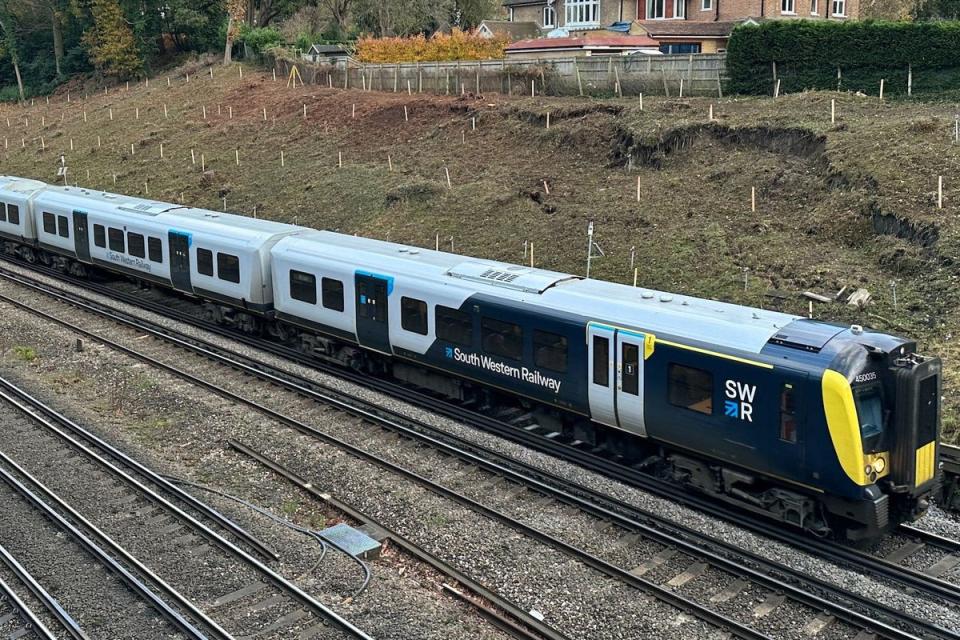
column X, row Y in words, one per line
column 909, row 79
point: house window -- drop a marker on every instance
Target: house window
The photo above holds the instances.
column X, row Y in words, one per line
column 656, row 9
column 13, row 214
column 582, row 13
column 788, row 7
column 680, row 48
column 706, row 5
column 453, row 325
column 155, row 248
column 839, row 8
column 116, row 240
column 303, row 287
column 814, row 7
column 680, row 9
column 332, row 294
column 690, row 388
column 501, row 338
column 135, row 245
column 228, row 267
column 550, row 351
column 788, row 415
column 413, row 315
column 549, row 16
column 204, row 262
column 100, row 236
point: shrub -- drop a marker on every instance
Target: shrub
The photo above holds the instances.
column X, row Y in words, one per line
column 808, row 54
column 260, row 39
column 457, row 45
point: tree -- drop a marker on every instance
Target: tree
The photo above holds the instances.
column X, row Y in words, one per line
column 468, row 14
column 339, row 12
column 8, row 42
column 237, row 13
column 110, row 41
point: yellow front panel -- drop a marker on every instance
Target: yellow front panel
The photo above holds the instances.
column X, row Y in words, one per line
column 926, row 463
column 844, row 426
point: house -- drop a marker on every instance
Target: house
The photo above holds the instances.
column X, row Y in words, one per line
column 513, row 31
column 334, row 54
column 597, row 44
column 681, row 26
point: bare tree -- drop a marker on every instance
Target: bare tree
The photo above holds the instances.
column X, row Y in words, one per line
column 340, row 12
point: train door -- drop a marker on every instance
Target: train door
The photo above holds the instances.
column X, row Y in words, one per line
column 373, row 326
column 616, row 376
column 81, row 236
column 180, row 261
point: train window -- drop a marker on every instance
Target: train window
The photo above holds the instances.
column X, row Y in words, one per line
column 453, row 325
column 870, row 413
column 550, row 351
column 205, row 262
column 928, row 409
column 228, row 267
column 690, row 388
column 601, row 361
column 3, row 212
column 49, row 223
column 630, row 376
column 63, row 226
column 13, row 214
column 413, row 315
column 788, row 414
column 332, row 294
column 155, row 250
column 100, row 236
column 501, row 338
column 135, row 245
column 303, row 287
column 116, row 240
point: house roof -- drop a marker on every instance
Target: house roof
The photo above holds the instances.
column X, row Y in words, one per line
column 520, row 3
column 687, row 28
column 513, row 30
column 327, row 48
column 594, row 42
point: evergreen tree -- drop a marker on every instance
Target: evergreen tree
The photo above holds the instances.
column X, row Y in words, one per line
column 110, row 41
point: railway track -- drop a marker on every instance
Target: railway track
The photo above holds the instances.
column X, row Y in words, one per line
column 674, row 555
column 17, row 617
column 214, row 588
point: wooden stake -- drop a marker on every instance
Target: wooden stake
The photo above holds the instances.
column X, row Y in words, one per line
column 409, row 89
column 98, row 143
column 165, row 113
column 354, row 114
column 161, row 150
column 531, row 254
column 641, row 102
column 146, row 188
column 711, row 113
column 168, row 81
column 193, row 157
column 340, row 159
column 43, row 145
column 681, row 87
column 776, row 90
column 909, row 80
column 939, row 192
column 437, row 243
column 274, row 74
column 237, row 154
column 406, row 115
column 71, row 144
column 204, row 112
column 264, row 114
column 636, row 270
column 881, row 89
column 84, row 115
column 833, row 111
column 546, row 187
column 114, row 179
column 241, row 71
column 449, row 183
column 304, row 110
column 230, row 112
column 219, row 110
column 111, row 113
column 638, row 188
column 389, row 163
column 133, row 151
column 533, row 88
column 548, row 119
column 283, row 160
column 137, row 117
column 211, row 73
column 474, row 123
column 753, row 199
column 203, row 163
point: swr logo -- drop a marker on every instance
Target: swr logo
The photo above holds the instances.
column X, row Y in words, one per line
column 740, row 403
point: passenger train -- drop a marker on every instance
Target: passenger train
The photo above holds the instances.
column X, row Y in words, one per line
column 830, row 428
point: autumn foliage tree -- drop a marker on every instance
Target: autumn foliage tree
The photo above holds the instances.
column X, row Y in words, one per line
column 110, row 41
column 457, row 45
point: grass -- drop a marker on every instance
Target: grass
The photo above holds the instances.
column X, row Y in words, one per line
column 851, row 204
column 25, row 354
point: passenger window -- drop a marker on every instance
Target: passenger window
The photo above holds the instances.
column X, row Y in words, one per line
column 303, row 287
column 501, row 338
column 100, row 236
column 690, row 388
column 205, row 262
column 116, row 240
column 601, row 361
column 228, row 267
column 49, row 224
column 332, row 294
column 63, row 226
column 3, row 212
column 13, row 214
column 453, row 325
column 550, row 351
column 413, row 315
column 135, row 245
column 631, row 369
column 155, row 250
column 788, row 415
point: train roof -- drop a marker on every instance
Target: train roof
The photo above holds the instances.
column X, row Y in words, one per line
column 709, row 321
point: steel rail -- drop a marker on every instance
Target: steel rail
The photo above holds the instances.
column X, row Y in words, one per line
column 269, row 574
column 49, row 602
column 373, row 413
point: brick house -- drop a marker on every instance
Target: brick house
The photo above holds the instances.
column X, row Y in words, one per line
column 681, row 26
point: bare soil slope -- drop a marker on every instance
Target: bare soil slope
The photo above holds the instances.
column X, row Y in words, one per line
column 851, row 204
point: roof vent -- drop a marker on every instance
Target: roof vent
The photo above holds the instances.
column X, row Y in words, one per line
column 666, row 297
column 508, row 276
column 646, row 295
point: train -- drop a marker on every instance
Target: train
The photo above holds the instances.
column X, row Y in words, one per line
column 831, row 429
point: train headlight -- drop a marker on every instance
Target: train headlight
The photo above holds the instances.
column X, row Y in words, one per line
column 868, row 469
column 879, row 465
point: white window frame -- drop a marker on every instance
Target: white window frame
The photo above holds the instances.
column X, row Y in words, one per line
column 788, row 7
column 582, row 13
column 842, row 4
column 652, row 7
column 549, row 10
column 706, row 5
column 510, row 15
column 814, row 7
column 680, row 9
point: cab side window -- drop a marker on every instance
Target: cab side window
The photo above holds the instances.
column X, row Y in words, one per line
column 690, row 388
column 788, row 414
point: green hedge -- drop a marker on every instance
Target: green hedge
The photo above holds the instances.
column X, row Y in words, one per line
column 808, row 54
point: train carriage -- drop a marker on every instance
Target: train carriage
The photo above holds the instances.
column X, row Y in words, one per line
column 16, row 223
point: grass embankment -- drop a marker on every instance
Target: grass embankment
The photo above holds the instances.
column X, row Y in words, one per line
column 851, row 204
